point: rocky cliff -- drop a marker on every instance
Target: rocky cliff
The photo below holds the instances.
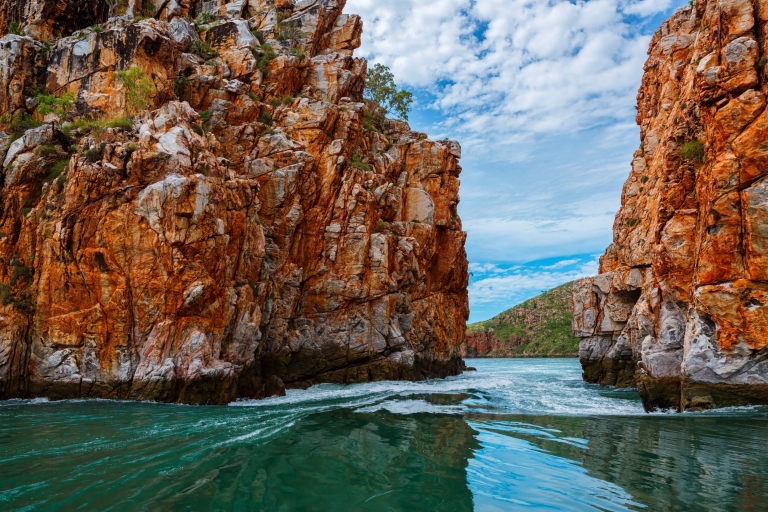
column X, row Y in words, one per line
column 218, row 213
column 538, row 327
column 680, row 308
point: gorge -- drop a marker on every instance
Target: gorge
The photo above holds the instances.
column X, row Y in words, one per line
column 230, row 281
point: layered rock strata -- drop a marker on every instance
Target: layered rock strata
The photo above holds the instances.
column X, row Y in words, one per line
column 680, row 308
column 245, row 231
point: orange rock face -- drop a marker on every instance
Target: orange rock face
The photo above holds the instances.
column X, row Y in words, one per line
column 681, row 307
column 242, row 233
column 482, row 343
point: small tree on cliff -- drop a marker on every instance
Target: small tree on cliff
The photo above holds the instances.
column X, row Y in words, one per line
column 49, row 104
column 138, row 88
column 381, row 88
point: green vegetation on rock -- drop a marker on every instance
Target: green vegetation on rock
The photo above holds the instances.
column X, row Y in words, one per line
column 539, row 327
column 380, row 88
column 48, row 103
column 138, row 88
column 693, row 150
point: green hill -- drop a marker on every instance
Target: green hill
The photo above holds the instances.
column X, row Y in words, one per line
column 539, row 327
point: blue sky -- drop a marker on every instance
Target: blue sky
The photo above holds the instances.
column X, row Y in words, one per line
column 541, row 95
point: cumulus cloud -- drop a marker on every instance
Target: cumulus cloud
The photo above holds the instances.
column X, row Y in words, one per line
column 561, row 264
column 541, row 95
column 507, row 70
column 524, row 283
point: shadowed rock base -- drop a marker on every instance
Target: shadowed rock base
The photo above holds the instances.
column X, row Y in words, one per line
column 697, row 396
column 609, row 372
column 659, row 394
column 251, row 383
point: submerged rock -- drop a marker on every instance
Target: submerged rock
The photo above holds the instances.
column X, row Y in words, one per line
column 242, row 234
column 680, row 308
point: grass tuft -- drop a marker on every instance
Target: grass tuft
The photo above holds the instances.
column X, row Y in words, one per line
column 693, row 150
column 93, row 155
column 358, row 163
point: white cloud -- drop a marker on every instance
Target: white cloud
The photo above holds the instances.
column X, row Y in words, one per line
column 541, row 95
column 647, row 7
column 561, row 264
column 513, row 67
column 524, row 282
column 486, row 268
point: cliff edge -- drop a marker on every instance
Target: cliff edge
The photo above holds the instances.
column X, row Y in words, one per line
column 680, row 308
column 217, row 214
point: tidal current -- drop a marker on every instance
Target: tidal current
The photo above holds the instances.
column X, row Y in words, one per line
column 516, row 434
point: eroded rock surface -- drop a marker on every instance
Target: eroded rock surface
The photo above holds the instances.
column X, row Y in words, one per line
column 680, row 308
column 242, row 234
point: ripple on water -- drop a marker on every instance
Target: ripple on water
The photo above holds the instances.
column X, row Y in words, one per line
column 516, row 434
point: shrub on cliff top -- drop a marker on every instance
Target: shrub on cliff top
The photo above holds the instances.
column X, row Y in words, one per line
column 693, row 150
column 380, row 87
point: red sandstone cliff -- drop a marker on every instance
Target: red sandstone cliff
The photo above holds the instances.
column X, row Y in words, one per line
column 242, row 231
column 680, row 307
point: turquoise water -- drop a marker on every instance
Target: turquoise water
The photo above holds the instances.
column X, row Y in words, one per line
column 515, row 435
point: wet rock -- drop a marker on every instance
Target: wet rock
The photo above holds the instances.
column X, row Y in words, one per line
column 274, row 387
